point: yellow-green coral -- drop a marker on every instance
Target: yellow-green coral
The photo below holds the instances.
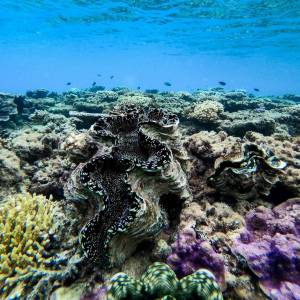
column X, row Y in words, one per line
column 28, row 250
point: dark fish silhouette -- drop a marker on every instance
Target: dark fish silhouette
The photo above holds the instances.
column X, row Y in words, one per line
column 94, row 83
column 112, row 76
column 68, row 83
column 167, row 83
column 99, row 75
column 138, row 87
column 222, row 83
column 63, row 18
column 256, row 90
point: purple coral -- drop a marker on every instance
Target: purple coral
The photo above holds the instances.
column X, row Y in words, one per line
column 98, row 294
column 190, row 253
column 271, row 246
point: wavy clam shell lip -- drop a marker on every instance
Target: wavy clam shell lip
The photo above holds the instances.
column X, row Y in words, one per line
column 129, row 211
column 254, row 172
column 160, row 281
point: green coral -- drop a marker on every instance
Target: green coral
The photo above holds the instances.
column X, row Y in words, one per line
column 29, row 262
column 160, row 282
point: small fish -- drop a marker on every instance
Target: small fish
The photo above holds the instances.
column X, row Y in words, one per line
column 63, row 18
column 112, row 76
column 94, row 83
column 138, row 88
column 99, row 75
column 167, row 83
column 256, row 89
column 222, row 83
column 68, row 83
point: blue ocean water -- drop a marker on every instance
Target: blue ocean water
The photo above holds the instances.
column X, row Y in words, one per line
column 191, row 44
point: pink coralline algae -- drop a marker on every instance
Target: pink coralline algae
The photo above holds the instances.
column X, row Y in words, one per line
column 271, row 246
column 190, row 253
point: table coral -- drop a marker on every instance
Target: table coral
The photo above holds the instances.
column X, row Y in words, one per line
column 160, row 282
column 29, row 258
column 271, row 246
column 124, row 180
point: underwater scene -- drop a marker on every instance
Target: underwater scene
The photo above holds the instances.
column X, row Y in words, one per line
column 149, row 149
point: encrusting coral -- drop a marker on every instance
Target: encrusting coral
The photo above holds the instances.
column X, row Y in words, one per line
column 124, row 180
column 271, row 246
column 190, row 253
column 160, row 282
column 29, row 258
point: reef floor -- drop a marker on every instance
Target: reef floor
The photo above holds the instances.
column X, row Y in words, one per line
column 155, row 185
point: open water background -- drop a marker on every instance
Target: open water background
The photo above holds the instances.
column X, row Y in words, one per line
column 191, row 44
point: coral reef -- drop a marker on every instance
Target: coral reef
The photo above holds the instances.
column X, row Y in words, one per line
column 8, row 107
column 237, row 124
column 37, row 94
column 271, row 246
column 246, row 177
column 120, row 171
column 160, row 282
column 31, row 144
column 124, row 180
column 29, row 262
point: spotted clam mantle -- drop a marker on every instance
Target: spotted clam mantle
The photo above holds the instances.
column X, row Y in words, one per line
column 124, row 180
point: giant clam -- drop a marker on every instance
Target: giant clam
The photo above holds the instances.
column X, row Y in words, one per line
column 124, row 181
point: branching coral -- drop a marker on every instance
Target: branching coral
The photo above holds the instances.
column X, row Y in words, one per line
column 255, row 173
column 124, row 180
column 29, row 262
column 271, row 246
column 160, row 282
